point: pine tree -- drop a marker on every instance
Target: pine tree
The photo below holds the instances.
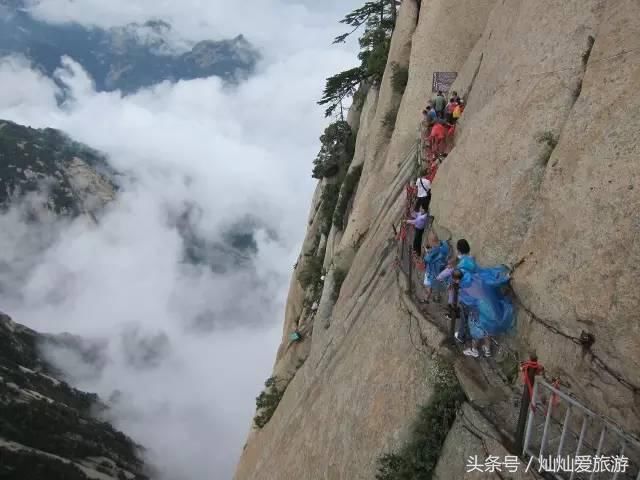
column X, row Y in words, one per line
column 378, row 19
column 337, row 145
column 339, row 87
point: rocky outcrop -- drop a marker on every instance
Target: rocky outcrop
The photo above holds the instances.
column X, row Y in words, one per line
column 542, row 176
column 473, row 437
column 49, row 429
column 52, row 172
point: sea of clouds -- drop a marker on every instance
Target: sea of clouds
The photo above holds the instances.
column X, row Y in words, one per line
column 233, row 153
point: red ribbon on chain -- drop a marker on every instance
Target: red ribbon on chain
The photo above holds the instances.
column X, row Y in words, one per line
column 525, row 367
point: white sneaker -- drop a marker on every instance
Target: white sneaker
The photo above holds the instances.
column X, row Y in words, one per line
column 486, row 350
column 458, row 337
column 471, row 352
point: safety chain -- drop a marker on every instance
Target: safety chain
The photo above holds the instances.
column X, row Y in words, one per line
column 585, row 341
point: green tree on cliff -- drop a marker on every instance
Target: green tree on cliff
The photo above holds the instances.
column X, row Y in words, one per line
column 337, row 145
column 377, row 18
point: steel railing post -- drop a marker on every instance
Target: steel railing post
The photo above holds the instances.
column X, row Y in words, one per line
column 545, row 432
column 531, row 415
column 564, row 431
column 583, row 430
column 599, row 450
column 524, row 406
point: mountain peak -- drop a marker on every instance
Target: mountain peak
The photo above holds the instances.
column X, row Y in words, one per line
column 125, row 58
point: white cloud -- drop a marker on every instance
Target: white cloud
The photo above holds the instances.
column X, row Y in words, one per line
column 30, row 90
column 232, row 152
column 275, row 25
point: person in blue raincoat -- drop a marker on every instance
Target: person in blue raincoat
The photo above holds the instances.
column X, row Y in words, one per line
column 488, row 308
column 466, row 261
column 435, row 261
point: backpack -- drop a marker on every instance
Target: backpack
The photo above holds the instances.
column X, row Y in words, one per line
column 457, row 112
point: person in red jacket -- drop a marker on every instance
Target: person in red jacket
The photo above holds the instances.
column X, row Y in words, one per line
column 437, row 137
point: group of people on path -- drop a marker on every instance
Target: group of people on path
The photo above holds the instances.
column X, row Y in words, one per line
column 440, row 117
column 477, row 298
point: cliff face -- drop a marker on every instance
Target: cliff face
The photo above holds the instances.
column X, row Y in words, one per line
column 569, row 209
column 544, row 169
column 47, row 428
column 61, row 176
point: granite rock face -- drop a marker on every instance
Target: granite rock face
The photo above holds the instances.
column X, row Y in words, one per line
column 543, row 174
column 545, row 170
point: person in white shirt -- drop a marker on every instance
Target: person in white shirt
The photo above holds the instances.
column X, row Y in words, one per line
column 424, row 192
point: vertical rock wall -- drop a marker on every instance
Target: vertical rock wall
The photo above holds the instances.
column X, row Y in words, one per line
column 366, row 371
column 544, row 169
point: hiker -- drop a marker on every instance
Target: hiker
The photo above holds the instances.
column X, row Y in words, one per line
column 439, row 104
column 455, row 96
column 424, row 192
column 451, row 106
column 457, row 112
column 437, row 137
column 429, row 119
column 466, row 264
column 429, row 115
column 419, row 222
column 485, row 308
column 435, row 260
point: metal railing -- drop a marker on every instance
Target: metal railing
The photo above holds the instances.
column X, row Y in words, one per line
column 571, row 442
